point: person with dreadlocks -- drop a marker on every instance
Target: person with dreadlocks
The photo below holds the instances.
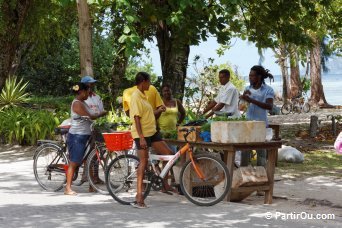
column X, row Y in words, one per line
column 260, row 98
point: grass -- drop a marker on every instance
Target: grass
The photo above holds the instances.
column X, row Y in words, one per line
column 326, row 163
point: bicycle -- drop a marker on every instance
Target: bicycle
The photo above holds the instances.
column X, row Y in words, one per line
column 204, row 179
column 296, row 104
column 51, row 163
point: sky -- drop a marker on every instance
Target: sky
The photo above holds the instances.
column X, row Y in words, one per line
column 242, row 54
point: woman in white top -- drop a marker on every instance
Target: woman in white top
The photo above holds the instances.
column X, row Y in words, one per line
column 79, row 133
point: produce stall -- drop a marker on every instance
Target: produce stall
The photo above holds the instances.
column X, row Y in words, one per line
column 229, row 150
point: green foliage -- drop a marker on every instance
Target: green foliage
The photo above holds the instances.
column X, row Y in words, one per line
column 191, row 115
column 114, row 116
column 225, row 118
column 135, row 65
column 206, row 127
column 306, row 83
column 203, row 86
column 188, row 22
column 53, row 71
column 13, row 93
column 171, row 134
column 58, row 104
column 26, row 126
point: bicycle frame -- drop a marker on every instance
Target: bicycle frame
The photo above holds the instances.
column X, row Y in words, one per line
column 172, row 159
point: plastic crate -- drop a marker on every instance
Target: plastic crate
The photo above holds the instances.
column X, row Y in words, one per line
column 118, row 140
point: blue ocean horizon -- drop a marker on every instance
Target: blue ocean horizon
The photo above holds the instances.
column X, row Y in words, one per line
column 332, row 86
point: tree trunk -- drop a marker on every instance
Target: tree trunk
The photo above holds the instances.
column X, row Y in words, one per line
column 282, row 59
column 174, row 55
column 313, row 126
column 85, row 38
column 12, row 20
column 295, row 83
column 317, row 93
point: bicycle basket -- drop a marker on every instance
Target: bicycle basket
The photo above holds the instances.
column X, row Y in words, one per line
column 118, row 140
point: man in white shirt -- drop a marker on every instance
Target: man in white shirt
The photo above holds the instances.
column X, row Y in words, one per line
column 94, row 101
column 226, row 102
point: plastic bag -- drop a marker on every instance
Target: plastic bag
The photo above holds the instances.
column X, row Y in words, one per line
column 206, row 136
column 66, row 123
column 338, row 144
column 269, row 134
column 290, row 154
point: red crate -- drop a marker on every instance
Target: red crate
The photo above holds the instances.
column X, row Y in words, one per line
column 118, row 140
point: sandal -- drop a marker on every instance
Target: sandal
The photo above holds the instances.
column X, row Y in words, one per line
column 139, row 205
column 70, row 193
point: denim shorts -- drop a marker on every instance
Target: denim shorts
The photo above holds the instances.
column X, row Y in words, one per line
column 76, row 146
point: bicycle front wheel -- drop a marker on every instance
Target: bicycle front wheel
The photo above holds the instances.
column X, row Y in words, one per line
column 121, row 179
column 212, row 188
column 286, row 108
column 97, row 163
column 48, row 167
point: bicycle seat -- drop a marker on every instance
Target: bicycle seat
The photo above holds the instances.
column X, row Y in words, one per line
column 62, row 130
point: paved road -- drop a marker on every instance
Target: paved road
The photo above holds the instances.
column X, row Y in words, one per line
column 24, row 204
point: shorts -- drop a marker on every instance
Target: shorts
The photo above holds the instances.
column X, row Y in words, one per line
column 149, row 140
column 76, row 146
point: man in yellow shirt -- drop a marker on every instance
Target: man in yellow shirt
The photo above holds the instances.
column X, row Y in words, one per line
column 152, row 95
column 144, row 130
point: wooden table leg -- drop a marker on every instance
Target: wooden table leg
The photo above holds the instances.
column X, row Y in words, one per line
column 229, row 159
column 270, row 168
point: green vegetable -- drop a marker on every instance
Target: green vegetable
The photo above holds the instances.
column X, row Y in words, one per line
column 173, row 134
column 206, row 127
column 224, row 118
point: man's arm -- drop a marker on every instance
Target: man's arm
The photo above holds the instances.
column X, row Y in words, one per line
column 217, row 107
column 210, row 106
column 159, row 111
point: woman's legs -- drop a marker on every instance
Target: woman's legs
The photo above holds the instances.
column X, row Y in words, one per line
column 70, row 174
column 143, row 157
column 162, row 148
column 76, row 146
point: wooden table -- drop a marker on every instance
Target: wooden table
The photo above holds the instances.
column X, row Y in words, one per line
column 229, row 150
column 276, row 135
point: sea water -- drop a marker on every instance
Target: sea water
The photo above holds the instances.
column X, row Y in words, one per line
column 332, row 86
